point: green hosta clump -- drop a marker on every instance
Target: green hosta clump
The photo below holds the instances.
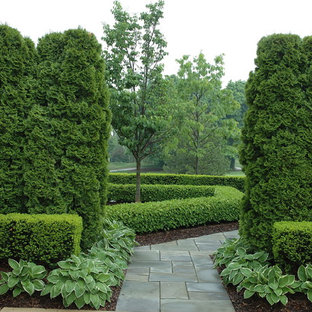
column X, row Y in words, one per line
column 242, row 265
column 228, row 251
column 305, row 280
column 268, row 283
column 82, row 281
column 25, row 277
column 117, row 237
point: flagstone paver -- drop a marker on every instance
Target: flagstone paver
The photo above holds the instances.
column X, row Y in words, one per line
column 175, row 277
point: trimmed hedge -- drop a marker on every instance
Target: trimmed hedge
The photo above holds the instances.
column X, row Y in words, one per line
column 292, row 244
column 150, row 193
column 155, row 216
column 178, row 179
column 39, row 238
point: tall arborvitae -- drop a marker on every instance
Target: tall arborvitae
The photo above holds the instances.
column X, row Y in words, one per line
column 277, row 140
column 68, row 131
column 17, row 59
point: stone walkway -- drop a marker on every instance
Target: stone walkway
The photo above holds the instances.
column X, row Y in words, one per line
column 175, row 277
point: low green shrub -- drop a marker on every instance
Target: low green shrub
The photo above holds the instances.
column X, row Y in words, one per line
column 39, row 238
column 81, row 281
column 292, row 244
column 178, row 179
column 125, row 193
column 171, row 214
column 25, row 277
column 305, row 280
column 269, row 283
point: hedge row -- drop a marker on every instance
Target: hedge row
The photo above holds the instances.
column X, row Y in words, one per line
column 165, row 215
column 40, row 238
column 292, row 244
column 150, row 193
column 178, row 179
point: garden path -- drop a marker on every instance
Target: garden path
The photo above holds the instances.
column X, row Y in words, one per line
column 177, row 276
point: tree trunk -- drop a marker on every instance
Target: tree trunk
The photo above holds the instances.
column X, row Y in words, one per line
column 138, row 181
column 232, row 164
column 196, row 164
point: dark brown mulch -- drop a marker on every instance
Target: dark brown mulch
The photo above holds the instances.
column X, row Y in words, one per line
column 297, row 302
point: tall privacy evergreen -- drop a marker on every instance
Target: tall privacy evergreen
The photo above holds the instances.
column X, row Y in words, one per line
column 67, row 130
column 17, row 59
column 277, row 138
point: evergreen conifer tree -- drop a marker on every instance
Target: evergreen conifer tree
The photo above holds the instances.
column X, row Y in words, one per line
column 277, row 139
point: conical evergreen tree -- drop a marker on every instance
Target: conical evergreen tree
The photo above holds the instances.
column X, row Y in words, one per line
column 277, row 140
column 17, row 65
column 68, row 129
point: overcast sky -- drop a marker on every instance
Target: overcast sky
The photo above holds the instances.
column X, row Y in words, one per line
column 232, row 27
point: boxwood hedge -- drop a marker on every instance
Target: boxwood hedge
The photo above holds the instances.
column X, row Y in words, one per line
column 171, row 214
column 40, row 238
column 178, row 179
column 292, row 244
column 125, row 193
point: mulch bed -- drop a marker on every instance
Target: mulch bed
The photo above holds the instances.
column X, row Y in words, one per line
column 297, row 302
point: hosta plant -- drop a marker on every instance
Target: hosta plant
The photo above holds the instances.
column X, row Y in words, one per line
column 82, row 281
column 305, row 280
column 228, row 251
column 269, row 283
column 24, row 277
column 242, row 265
column 118, row 237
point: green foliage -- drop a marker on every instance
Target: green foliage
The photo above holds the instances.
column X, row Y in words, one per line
column 125, row 192
column 201, row 119
column 171, row 214
column 228, row 251
column 25, row 277
column 139, row 102
column 118, row 237
column 178, row 179
column 292, row 244
column 276, row 151
column 39, row 238
column 242, row 265
column 305, row 280
column 268, row 283
column 67, row 131
column 17, row 59
column 87, row 279
column 81, row 281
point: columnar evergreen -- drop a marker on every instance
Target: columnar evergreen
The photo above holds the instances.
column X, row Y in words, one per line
column 277, row 139
column 17, row 59
column 68, row 129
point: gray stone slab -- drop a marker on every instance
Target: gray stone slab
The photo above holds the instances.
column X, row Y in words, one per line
column 174, row 277
column 205, row 287
column 183, row 269
column 201, row 258
column 217, row 237
column 148, row 264
column 145, row 255
column 208, row 275
column 135, row 289
column 208, row 247
column 142, row 271
column 164, row 246
column 231, row 234
column 178, row 305
column 173, row 290
column 197, row 295
column 162, row 267
column 138, row 305
column 175, row 255
column 136, row 277
column 148, row 247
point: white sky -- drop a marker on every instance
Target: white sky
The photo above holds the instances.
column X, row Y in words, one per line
column 232, row 27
